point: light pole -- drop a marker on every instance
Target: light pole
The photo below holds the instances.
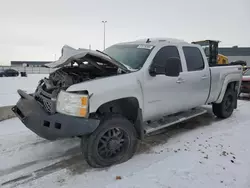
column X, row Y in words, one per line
column 104, row 22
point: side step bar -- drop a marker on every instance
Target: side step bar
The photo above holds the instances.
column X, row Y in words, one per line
column 174, row 119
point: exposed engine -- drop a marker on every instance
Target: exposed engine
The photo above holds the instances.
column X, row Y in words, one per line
column 65, row 77
column 61, row 79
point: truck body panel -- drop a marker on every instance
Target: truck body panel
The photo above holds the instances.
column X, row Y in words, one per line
column 122, row 86
column 221, row 77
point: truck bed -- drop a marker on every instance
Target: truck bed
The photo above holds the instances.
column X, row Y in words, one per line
column 219, row 75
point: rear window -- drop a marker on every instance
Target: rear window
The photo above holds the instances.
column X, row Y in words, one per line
column 10, row 70
column 194, row 58
column 131, row 55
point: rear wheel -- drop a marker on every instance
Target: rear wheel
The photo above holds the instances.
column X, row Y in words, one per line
column 114, row 141
column 226, row 107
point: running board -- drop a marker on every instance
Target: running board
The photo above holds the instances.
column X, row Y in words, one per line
column 173, row 119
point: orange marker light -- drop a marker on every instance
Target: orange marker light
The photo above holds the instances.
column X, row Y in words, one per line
column 83, row 112
column 84, row 101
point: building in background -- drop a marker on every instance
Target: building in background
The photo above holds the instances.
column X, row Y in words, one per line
column 236, row 53
column 28, row 63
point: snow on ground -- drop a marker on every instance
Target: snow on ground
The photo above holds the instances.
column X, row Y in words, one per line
column 203, row 152
column 10, row 85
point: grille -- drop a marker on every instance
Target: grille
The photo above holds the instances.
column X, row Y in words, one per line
column 45, row 100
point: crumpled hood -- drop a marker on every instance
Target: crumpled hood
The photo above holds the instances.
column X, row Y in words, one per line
column 68, row 54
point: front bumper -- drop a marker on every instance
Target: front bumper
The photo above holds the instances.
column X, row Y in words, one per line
column 54, row 126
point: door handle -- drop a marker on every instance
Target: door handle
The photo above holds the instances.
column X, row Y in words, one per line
column 180, row 80
column 204, row 77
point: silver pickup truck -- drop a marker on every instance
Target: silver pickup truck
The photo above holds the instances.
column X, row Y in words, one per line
column 111, row 99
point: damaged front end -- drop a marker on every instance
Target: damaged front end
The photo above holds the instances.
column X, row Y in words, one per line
column 48, row 88
column 74, row 66
column 50, row 111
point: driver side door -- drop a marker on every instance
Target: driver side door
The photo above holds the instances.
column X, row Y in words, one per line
column 163, row 94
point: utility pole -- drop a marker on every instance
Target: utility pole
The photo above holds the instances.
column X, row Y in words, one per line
column 104, row 33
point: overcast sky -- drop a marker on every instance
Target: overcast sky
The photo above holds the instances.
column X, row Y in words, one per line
column 37, row 30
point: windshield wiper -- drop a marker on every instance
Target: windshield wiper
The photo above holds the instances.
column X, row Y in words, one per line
column 114, row 60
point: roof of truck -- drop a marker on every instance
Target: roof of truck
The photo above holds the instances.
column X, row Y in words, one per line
column 155, row 41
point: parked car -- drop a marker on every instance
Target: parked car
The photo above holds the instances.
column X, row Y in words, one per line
column 245, row 84
column 23, row 74
column 125, row 93
column 1, row 73
column 9, row 73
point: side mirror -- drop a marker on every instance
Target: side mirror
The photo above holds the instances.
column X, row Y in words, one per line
column 153, row 71
column 173, row 67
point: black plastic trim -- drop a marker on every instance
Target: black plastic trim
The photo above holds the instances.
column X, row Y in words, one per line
column 139, row 124
column 53, row 126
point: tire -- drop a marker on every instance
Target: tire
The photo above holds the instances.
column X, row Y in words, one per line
column 227, row 105
column 113, row 142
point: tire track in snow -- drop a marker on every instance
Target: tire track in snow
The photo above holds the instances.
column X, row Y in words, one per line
column 23, row 146
column 77, row 159
column 70, row 152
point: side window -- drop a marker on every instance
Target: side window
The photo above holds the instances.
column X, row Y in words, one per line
column 193, row 58
column 162, row 55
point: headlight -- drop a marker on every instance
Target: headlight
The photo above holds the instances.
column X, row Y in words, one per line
column 72, row 104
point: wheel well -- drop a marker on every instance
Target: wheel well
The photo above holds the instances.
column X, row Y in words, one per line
column 233, row 85
column 128, row 107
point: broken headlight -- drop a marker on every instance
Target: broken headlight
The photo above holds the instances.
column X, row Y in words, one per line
column 73, row 104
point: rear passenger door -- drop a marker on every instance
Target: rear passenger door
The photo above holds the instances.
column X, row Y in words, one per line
column 196, row 77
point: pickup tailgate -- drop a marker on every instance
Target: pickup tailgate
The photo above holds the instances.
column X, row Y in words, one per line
column 220, row 75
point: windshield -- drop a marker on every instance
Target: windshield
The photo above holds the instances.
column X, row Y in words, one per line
column 206, row 49
column 205, row 46
column 133, row 56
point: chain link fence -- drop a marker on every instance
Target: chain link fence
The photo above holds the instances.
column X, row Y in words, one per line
column 29, row 70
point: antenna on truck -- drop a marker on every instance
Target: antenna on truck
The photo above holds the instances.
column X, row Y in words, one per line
column 148, row 40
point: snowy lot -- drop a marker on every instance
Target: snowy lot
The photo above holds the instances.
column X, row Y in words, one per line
column 10, row 85
column 203, row 152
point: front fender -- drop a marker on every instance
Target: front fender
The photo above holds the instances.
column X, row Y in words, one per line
column 227, row 80
column 111, row 88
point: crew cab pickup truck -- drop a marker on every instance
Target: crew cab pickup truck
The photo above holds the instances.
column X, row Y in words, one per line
column 111, row 99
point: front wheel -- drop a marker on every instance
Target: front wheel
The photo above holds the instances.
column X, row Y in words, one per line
column 226, row 107
column 113, row 142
